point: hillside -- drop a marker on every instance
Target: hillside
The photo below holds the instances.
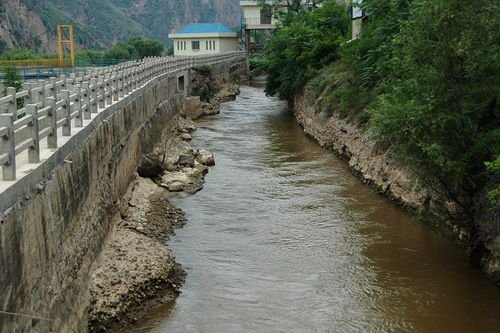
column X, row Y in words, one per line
column 100, row 23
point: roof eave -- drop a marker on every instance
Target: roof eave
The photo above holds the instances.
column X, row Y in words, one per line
column 204, row 34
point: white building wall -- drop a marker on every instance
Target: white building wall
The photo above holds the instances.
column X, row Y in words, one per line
column 218, row 45
column 227, row 45
column 251, row 13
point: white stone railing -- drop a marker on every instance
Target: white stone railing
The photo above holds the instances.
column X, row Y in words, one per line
column 65, row 102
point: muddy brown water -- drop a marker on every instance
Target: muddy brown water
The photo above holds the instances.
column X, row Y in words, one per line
column 285, row 239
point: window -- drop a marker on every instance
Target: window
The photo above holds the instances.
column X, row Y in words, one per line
column 195, row 45
column 265, row 16
column 206, row 45
column 213, row 45
column 184, row 45
column 178, row 45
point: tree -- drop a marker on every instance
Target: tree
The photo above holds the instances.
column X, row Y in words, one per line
column 12, row 79
column 494, row 195
column 366, row 60
column 146, row 48
column 440, row 108
column 302, row 46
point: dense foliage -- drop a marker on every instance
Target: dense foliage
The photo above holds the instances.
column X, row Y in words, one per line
column 422, row 77
column 133, row 48
column 12, row 79
column 300, row 48
column 440, row 109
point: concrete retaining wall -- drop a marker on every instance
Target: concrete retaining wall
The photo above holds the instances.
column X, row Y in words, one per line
column 55, row 220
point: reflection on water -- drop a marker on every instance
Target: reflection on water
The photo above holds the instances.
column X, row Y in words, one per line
column 284, row 239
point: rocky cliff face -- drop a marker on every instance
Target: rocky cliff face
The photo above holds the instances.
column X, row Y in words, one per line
column 374, row 165
column 21, row 27
column 101, row 23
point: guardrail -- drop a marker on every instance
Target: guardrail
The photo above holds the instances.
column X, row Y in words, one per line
column 37, row 63
column 65, row 102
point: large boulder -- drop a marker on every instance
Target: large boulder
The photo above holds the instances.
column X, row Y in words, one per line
column 186, row 160
column 151, row 166
column 205, row 157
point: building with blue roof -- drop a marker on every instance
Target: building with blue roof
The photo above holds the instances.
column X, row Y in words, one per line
column 204, row 39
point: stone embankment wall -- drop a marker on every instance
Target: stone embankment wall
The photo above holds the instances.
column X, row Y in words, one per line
column 56, row 220
column 388, row 177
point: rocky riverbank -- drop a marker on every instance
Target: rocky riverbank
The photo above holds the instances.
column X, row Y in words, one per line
column 136, row 269
column 375, row 167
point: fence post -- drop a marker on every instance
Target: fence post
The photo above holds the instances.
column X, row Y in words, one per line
column 78, row 106
column 115, row 87
column 126, row 82
column 67, row 114
column 93, row 95
column 13, row 102
column 86, row 100
column 8, row 146
column 71, row 81
column 29, row 87
column 102, row 100
column 109, row 92
column 34, row 150
column 41, row 96
column 53, row 86
column 121, row 87
column 52, row 116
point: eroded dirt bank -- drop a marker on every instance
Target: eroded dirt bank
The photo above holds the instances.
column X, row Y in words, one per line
column 136, row 269
column 377, row 169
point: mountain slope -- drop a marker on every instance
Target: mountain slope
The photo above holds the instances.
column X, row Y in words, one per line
column 101, row 23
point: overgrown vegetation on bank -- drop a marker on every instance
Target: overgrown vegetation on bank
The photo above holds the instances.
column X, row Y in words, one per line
column 422, row 77
column 131, row 49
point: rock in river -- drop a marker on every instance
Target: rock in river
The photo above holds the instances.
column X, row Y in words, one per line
column 205, row 157
column 185, row 137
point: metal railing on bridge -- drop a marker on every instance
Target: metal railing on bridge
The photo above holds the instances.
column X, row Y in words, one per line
column 65, row 102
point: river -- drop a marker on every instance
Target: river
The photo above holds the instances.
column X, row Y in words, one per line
column 284, row 238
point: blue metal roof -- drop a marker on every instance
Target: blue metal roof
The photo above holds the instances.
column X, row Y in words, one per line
column 200, row 28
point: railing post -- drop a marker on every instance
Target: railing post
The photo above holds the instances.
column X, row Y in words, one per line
column 13, row 102
column 41, row 94
column 115, row 87
column 86, row 100
column 102, row 85
column 78, row 106
column 64, row 84
column 34, row 150
column 121, row 92
column 52, row 116
column 8, row 146
column 109, row 92
column 29, row 88
column 93, row 95
column 67, row 114
column 130, row 80
column 53, row 86
column 71, row 82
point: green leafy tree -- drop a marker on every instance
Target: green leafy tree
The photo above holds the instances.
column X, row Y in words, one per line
column 494, row 195
column 440, row 110
column 146, row 48
column 12, row 79
column 366, row 60
column 298, row 49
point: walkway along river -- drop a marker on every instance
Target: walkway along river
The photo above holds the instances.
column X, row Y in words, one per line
column 284, row 239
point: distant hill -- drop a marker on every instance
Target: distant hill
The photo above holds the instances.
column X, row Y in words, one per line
column 101, row 23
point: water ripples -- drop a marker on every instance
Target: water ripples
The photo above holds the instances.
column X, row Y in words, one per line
column 284, row 239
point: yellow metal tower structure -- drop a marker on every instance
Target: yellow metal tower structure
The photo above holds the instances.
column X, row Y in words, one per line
column 65, row 36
